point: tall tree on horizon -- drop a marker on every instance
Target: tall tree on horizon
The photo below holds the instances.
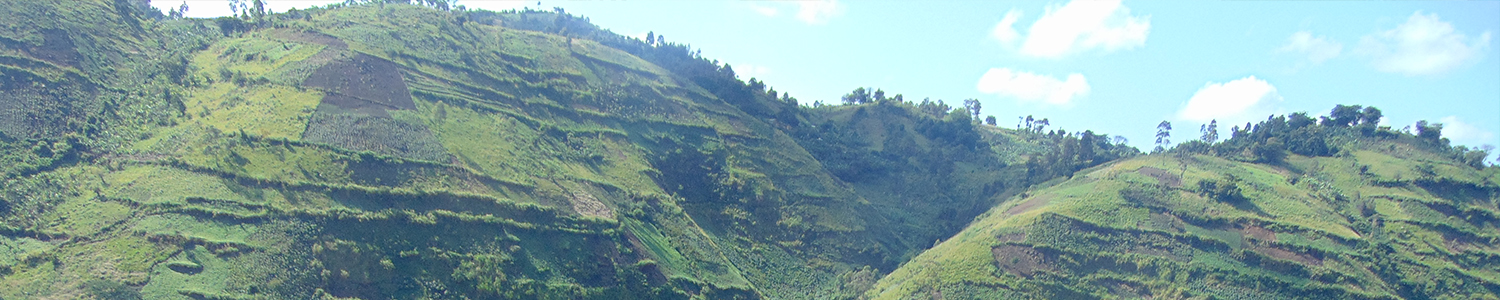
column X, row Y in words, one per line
column 1163, row 136
column 973, row 106
column 1210, row 131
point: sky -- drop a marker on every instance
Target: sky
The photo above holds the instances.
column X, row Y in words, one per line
column 1117, row 68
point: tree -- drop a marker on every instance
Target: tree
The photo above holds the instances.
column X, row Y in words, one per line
column 973, row 106
column 990, row 120
column 258, row 10
column 1163, row 136
column 1343, row 116
column 1086, row 149
column 1210, row 131
column 1299, row 120
column 858, row 96
column 1120, row 140
column 1370, row 117
column 1271, row 151
column 1475, row 158
column 879, row 95
column 237, row 8
column 728, row 71
column 1429, row 131
column 651, row 38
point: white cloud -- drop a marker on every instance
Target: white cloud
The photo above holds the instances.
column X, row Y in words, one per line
column 817, row 11
column 1241, row 100
column 1423, row 45
column 1005, row 31
column 1317, row 48
column 1078, row 26
column 1032, row 87
column 1464, row 133
column 764, row 10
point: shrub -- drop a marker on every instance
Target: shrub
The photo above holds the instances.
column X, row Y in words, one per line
column 1225, row 190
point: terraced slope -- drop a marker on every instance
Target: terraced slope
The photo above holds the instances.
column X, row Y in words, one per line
column 393, row 151
column 1380, row 218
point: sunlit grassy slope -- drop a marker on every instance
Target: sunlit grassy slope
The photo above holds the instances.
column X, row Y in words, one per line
column 1383, row 218
column 394, row 151
column 397, row 151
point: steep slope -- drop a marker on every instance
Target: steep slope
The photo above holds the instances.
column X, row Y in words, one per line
column 1369, row 214
column 394, row 151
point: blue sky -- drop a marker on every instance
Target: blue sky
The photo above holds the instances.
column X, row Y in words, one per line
column 1112, row 67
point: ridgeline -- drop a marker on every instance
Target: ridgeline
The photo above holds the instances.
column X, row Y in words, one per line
column 389, row 150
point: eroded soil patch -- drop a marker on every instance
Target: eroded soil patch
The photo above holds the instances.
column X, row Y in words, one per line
column 1162, row 176
column 1028, row 205
column 362, row 77
column 1020, row 260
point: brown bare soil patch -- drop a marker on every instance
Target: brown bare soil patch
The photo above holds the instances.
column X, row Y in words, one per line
column 361, row 90
column 654, row 274
column 339, row 103
column 1259, row 233
column 1161, row 176
column 586, row 204
column 361, row 82
column 1020, row 260
column 57, row 47
column 1028, row 205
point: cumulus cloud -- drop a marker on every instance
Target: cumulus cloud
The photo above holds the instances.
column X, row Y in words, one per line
column 1464, row 133
column 1237, row 101
column 1078, row 26
column 1317, row 48
column 1032, row 87
column 1424, row 45
column 1005, row 31
column 817, row 11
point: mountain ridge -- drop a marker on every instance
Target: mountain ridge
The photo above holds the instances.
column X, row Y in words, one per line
column 389, row 150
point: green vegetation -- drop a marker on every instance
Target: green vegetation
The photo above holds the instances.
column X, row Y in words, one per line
column 1286, row 209
column 390, row 150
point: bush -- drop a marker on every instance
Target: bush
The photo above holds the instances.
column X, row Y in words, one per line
column 1225, row 190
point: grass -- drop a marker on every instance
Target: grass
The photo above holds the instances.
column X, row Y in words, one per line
column 559, row 162
column 1313, row 215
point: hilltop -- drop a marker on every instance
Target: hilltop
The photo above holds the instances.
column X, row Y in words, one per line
column 1354, row 211
column 389, row 150
column 396, row 151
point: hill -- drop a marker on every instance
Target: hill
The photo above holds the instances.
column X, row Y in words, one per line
column 1355, row 211
column 394, row 151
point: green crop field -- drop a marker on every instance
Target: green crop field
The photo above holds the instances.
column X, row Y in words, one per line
column 398, row 151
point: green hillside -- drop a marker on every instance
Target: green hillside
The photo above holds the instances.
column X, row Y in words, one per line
column 388, row 150
column 398, row 151
column 1354, row 211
